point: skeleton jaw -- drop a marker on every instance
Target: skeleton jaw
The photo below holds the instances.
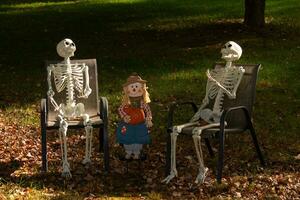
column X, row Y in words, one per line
column 230, row 57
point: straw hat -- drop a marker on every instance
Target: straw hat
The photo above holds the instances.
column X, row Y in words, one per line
column 134, row 78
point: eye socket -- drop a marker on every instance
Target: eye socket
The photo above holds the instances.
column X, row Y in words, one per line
column 72, row 44
column 229, row 45
column 67, row 43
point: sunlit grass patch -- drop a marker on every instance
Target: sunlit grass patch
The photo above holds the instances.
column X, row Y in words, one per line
column 23, row 116
column 34, row 5
column 13, row 191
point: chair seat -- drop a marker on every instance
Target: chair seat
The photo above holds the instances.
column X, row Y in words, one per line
column 96, row 121
column 210, row 133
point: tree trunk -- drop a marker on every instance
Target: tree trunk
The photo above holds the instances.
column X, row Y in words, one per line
column 254, row 13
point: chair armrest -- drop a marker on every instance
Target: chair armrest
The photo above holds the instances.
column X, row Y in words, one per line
column 103, row 106
column 227, row 111
column 43, row 110
column 175, row 105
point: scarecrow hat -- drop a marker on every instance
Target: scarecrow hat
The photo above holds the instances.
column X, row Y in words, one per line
column 134, row 78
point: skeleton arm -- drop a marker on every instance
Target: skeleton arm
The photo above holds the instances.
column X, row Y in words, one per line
column 240, row 76
column 50, row 92
column 230, row 94
column 87, row 90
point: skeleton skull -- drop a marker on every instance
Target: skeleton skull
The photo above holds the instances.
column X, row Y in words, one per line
column 66, row 48
column 231, row 51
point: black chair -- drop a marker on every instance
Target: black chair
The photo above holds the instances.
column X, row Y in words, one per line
column 237, row 113
column 95, row 108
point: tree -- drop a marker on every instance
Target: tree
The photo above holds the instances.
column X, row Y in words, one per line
column 254, row 13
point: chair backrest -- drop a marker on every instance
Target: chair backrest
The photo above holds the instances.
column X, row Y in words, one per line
column 244, row 97
column 90, row 104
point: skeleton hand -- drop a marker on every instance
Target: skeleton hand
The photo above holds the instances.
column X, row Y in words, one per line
column 126, row 119
column 86, row 93
column 211, row 78
column 149, row 123
column 50, row 93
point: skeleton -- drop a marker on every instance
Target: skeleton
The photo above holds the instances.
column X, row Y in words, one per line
column 221, row 82
column 70, row 77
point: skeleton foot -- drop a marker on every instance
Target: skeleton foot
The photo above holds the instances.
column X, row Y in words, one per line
column 66, row 173
column 86, row 161
column 172, row 175
column 201, row 176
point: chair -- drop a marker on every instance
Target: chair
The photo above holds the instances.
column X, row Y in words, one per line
column 95, row 108
column 236, row 112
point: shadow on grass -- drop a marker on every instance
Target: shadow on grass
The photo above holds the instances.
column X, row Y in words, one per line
column 154, row 38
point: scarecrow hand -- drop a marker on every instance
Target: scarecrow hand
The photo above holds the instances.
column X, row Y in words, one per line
column 126, row 119
column 149, row 123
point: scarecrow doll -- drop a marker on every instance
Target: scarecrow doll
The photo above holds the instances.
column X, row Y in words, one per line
column 133, row 130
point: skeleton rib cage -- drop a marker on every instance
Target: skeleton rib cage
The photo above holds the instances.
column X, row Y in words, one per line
column 228, row 77
column 229, row 80
column 72, row 74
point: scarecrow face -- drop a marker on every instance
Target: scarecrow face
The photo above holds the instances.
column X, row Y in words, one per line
column 135, row 90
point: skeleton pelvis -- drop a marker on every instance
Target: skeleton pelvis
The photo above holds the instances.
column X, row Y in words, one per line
column 72, row 110
column 210, row 116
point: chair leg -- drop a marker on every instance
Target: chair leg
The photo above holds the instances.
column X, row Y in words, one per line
column 101, row 137
column 43, row 114
column 207, row 143
column 220, row 156
column 44, row 149
column 105, row 149
column 254, row 139
column 168, row 154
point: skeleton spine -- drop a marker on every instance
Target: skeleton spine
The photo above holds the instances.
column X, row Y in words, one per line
column 70, row 84
column 219, row 99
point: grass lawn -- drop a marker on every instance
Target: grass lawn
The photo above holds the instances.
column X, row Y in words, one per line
column 170, row 43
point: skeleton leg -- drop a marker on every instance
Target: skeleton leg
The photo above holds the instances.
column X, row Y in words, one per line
column 197, row 140
column 202, row 169
column 63, row 128
column 174, row 134
column 173, row 171
column 89, row 136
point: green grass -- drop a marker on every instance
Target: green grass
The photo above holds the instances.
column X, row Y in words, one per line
column 170, row 43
